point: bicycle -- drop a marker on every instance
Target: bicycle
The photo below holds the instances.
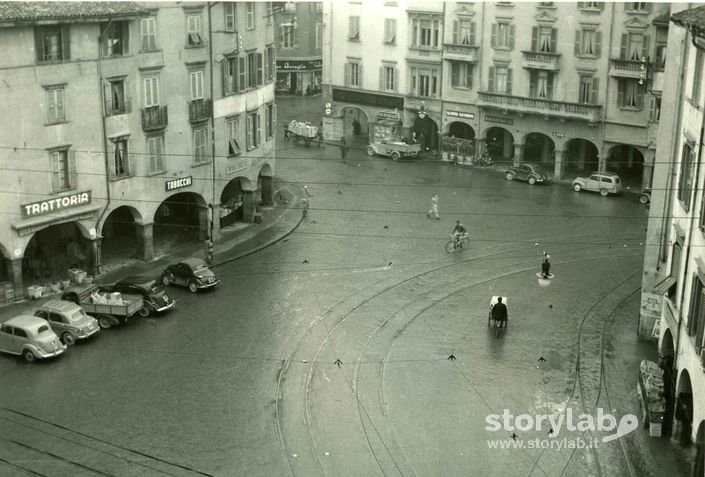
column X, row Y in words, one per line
column 458, row 243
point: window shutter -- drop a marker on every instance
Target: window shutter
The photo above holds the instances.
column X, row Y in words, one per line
column 456, row 29
column 144, row 31
column 111, row 160
column 578, row 42
column 224, row 76
column 129, row 163
column 51, row 106
column 266, row 64
column 645, row 48
column 396, row 79
column 55, row 157
column 554, row 40
column 347, row 74
column 595, row 90
column 381, row 79
column 258, row 118
column 647, row 6
column 493, row 39
column 623, row 47
column 468, row 73
column 65, row 43
column 295, row 34
column 532, row 84
column 581, row 4
column 640, row 97
column 454, row 73
column 125, row 38
column 601, row 5
column 73, row 176
column 360, row 82
column 598, row 44
column 549, row 86
column 242, row 74
column 620, row 92
column 509, row 81
column 127, row 95
column 652, row 108
column 511, row 37
column 60, row 110
column 260, row 69
column 39, row 44
column 490, row 79
column 534, row 38
column 248, row 135
column 472, row 33
column 108, row 97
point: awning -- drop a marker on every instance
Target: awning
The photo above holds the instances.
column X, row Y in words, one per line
column 663, row 287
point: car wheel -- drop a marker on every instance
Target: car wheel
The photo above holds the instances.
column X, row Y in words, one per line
column 143, row 312
column 68, row 339
column 604, row 192
column 577, row 187
column 28, row 356
column 166, row 279
column 395, row 156
column 370, row 151
column 192, row 287
column 104, row 321
column 509, row 176
column 644, row 199
column 532, row 180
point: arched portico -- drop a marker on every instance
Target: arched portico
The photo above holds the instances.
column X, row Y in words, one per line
column 581, row 157
column 628, row 162
column 355, row 125
column 540, row 149
column 499, row 143
column 124, row 237
column 264, row 186
column 238, row 202
column 180, row 218
column 683, row 412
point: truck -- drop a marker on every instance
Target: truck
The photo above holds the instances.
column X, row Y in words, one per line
column 109, row 310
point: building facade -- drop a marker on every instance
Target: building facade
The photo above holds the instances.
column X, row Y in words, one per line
column 573, row 86
column 299, row 30
column 154, row 123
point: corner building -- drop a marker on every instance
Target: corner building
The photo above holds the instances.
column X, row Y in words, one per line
column 133, row 126
column 573, row 86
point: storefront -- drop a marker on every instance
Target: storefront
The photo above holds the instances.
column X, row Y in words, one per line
column 301, row 77
column 358, row 114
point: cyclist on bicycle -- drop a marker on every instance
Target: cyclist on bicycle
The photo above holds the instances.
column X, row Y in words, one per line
column 457, row 234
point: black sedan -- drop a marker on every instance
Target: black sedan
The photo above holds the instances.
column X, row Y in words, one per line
column 526, row 171
column 155, row 298
column 192, row 273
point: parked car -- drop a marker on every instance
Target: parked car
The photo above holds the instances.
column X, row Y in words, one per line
column 607, row 183
column 396, row 149
column 645, row 196
column 30, row 337
column 526, row 171
column 68, row 320
column 155, row 298
column 192, row 273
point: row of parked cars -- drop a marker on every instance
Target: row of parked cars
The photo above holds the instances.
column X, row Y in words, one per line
column 82, row 311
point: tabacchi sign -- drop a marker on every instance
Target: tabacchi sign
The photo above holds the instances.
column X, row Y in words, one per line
column 58, row 203
column 179, row 183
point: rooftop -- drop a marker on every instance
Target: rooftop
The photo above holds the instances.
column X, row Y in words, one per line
column 695, row 17
column 28, row 12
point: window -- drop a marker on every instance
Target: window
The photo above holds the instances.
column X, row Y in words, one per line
column 591, row 5
column 353, row 74
column 116, row 36
column 588, row 90
column 388, row 78
column 250, row 15
column 259, row 59
column 588, row 42
column 502, row 36
column 229, row 9
column 233, row 137
column 52, row 43
column 269, row 121
column 193, row 27
column 541, row 85
column 63, row 170
column 254, row 132
column 424, row 82
column 200, row 145
column 269, row 64
column 287, row 38
column 463, row 32
column 229, row 75
column 354, row 29
column 290, row 7
column 697, row 77
column 121, row 160
column 630, row 94
column 149, row 34
column 151, row 91
column 661, row 43
column 155, row 148
column 56, row 113
column 390, row 31
column 635, row 46
column 543, row 39
column 196, row 82
column 500, row 79
column 116, row 97
column 685, row 183
column 252, row 70
column 696, row 320
column 461, row 74
column 655, row 110
column 637, row 7
column 319, row 36
column 242, row 73
column 425, row 32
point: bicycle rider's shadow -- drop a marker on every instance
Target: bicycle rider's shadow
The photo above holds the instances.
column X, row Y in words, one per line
column 496, row 345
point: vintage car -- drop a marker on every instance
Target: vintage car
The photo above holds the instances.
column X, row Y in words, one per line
column 396, row 149
column 604, row 183
column 154, row 295
column 31, row 337
column 192, row 273
column 68, row 320
column 526, row 171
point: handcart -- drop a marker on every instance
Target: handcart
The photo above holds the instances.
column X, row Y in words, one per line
column 491, row 320
column 299, row 131
column 651, row 397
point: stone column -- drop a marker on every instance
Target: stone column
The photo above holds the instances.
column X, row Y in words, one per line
column 601, row 164
column 249, row 206
column 96, row 261
column 267, row 199
column 648, row 168
column 203, row 225
column 559, row 166
column 14, row 271
column 507, row 150
column 215, row 217
column 518, row 153
column 145, row 241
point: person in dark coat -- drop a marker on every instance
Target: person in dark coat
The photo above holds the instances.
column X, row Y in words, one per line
column 546, row 268
column 343, row 149
column 499, row 312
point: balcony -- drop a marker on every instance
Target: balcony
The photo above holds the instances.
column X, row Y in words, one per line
column 460, row 52
column 199, row 110
column 543, row 107
column 154, row 118
column 625, row 68
column 538, row 60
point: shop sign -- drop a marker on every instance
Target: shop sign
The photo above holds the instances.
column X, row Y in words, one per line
column 178, row 183
column 238, row 166
column 558, row 134
column 498, row 119
column 52, row 205
column 299, row 65
column 460, row 114
column 369, row 99
column 393, row 115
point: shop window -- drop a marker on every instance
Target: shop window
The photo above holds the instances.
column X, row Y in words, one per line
column 149, row 34
column 155, row 152
column 56, row 111
column 115, row 40
column 63, row 170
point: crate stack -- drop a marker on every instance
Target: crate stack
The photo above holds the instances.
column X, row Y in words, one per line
column 77, row 276
column 7, row 293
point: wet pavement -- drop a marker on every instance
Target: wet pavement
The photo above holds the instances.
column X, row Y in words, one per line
column 327, row 351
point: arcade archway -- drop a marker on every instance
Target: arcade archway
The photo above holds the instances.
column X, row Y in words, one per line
column 539, row 149
column 460, row 130
column 52, row 251
column 180, row 219
column 499, row 144
column 683, row 412
column 581, row 157
column 628, row 162
column 355, row 125
column 425, row 132
column 120, row 237
column 232, row 202
column 264, row 186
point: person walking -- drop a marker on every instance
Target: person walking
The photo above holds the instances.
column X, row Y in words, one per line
column 343, row 149
column 434, row 208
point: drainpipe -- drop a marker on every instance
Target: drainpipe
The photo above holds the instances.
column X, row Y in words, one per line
column 211, row 206
column 101, row 90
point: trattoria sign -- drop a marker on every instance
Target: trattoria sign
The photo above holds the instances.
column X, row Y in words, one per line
column 53, row 205
column 178, row 183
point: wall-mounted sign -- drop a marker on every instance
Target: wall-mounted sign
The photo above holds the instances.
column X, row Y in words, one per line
column 58, row 203
column 460, row 114
column 558, row 134
column 238, row 166
column 298, row 65
column 370, row 99
column 393, row 115
column 498, row 119
column 178, row 183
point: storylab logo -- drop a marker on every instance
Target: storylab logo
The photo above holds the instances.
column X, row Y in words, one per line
column 552, row 424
